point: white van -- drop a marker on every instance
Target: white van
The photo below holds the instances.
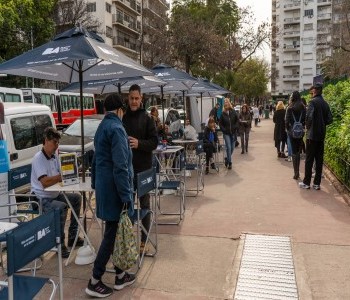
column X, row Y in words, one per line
column 11, row 95
column 23, row 130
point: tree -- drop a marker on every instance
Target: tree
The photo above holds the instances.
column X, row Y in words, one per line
column 251, row 79
column 68, row 14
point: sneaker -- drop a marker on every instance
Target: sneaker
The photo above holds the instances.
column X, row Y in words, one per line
column 302, row 185
column 143, row 248
column 79, row 243
column 99, row 290
column 316, row 187
column 289, row 158
column 128, row 279
column 64, row 251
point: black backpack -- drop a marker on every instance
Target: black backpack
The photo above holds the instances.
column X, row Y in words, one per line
column 297, row 128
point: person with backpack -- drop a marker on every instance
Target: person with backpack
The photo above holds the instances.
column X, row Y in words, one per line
column 295, row 124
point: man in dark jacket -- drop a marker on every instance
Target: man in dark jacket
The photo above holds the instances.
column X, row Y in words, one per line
column 214, row 113
column 318, row 116
column 143, row 139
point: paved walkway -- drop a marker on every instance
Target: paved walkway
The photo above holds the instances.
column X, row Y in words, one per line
column 199, row 259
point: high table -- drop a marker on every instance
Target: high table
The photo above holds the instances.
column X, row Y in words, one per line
column 87, row 250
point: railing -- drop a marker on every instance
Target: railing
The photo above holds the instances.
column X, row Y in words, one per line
column 324, row 16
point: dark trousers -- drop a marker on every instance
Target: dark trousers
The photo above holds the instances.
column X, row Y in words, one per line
column 105, row 250
column 314, row 152
column 209, row 149
column 296, row 145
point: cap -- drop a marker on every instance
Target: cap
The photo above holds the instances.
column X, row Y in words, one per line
column 113, row 102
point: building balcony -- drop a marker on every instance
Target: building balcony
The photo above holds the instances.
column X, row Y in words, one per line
column 122, row 44
column 133, row 27
column 325, row 16
column 291, row 62
column 291, row 33
column 295, row 77
column 291, row 47
column 131, row 6
column 323, row 30
column 324, row 2
column 292, row 20
column 292, row 6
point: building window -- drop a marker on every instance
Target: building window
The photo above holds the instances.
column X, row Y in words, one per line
column 309, row 26
column 108, row 8
column 109, row 32
column 91, row 7
column 309, row 13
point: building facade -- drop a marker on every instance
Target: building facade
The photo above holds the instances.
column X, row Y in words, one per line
column 301, row 42
column 128, row 25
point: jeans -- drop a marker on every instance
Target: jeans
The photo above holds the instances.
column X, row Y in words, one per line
column 60, row 202
column 230, row 146
column 105, row 250
column 289, row 146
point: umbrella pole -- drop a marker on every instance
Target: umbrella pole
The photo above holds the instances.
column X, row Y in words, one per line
column 183, row 99
column 82, row 132
column 119, row 88
column 162, row 96
column 201, row 112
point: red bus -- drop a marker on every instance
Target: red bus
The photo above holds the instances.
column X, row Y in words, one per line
column 65, row 106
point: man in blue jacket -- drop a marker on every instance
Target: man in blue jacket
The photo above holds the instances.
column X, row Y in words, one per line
column 112, row 179
column 318, row 116
column 143, row 139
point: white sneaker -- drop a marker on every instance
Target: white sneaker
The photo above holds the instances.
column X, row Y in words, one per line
column 302, row 185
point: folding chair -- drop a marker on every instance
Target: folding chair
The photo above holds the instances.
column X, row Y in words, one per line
column 196, row 163
column 146, row 182
column 25, row 243
column 175, row 183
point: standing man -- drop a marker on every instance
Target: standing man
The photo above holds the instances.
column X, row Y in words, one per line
column 214, row 113
column 45, row 173
column 143, row 139
column 111, row 177
column 318, row 116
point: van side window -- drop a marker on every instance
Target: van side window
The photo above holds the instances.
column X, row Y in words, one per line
column 28, row 131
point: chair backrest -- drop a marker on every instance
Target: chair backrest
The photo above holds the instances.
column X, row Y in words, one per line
column 32, row 239
column 18, row 177
column 199, row 147
column 146, row 182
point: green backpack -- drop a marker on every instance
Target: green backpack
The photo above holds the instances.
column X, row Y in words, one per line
column 125, row 253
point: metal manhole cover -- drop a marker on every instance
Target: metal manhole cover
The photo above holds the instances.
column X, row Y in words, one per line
column 267, row 269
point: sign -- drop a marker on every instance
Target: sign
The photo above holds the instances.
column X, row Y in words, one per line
column 69, row 168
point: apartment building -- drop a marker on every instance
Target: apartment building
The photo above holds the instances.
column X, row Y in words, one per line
column 125, row 23
column 301, row 41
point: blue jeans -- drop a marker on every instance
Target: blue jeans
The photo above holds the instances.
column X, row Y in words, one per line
column 105, row 250
column 230, row 140
column 60, row 202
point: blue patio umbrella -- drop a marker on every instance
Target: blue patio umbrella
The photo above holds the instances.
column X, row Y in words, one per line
column 176, row 81
column 76, row 55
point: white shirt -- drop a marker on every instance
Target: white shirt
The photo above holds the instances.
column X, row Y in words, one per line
column 42, row 165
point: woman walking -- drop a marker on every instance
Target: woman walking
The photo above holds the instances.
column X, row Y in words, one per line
column 296, row 111
column 245, row 123
column 280, row 135
column 210, row 141
column 229, row 125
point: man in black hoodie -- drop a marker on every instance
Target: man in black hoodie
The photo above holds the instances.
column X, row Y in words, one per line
column 143, row 139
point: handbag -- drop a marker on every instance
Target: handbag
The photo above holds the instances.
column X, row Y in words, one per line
column 125, row 253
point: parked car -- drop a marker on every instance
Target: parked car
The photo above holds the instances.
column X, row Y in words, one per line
column 71, row 137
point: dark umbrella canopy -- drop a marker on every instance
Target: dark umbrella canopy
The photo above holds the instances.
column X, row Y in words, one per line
column 72, row 56
column 182, row 80
column 59, row 60
column 115, row 85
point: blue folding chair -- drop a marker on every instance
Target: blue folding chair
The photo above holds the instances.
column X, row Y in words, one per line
column 146, row 182
column 25, row 243
column 196, row 163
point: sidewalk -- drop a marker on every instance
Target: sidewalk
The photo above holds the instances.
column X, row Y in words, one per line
column 199, row 259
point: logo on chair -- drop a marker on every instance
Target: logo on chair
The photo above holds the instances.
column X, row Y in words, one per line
column 43, row 232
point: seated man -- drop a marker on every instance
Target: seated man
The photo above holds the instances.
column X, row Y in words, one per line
column 45, row 173
column 210, row 141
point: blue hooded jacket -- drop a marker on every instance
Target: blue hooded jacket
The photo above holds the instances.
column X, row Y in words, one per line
column 112, row 171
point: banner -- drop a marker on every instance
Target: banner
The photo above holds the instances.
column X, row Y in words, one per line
column 4, row 159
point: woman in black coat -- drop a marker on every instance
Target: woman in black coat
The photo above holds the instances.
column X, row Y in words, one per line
column 296, row 111
column 280, row 135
